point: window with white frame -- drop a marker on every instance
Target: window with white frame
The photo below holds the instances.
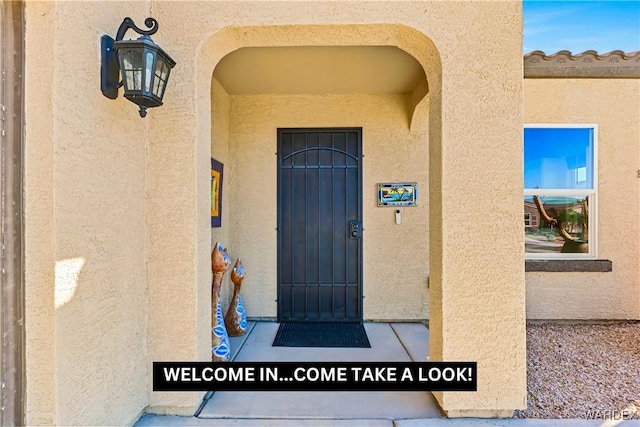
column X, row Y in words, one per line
column 560, row 183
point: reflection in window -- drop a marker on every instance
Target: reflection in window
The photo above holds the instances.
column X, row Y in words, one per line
column 558, row 158
column 530, row 219
column 560, row 192
column 564, row 225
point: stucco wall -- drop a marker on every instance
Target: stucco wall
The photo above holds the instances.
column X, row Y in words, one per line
column 40, row 327
column 122, row 203
column 614, row 105
column 391, row 153
column 85, row 225
column 474, row 125
column 220, row 107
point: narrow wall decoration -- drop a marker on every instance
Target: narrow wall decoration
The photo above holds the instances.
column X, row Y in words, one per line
column 220, row 346
column 236, row 319
column 216, row 193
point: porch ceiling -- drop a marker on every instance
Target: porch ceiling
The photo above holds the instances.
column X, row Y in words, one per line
column 319, row 70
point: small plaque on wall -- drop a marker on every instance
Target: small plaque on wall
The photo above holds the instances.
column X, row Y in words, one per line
column 398, row 194
column 216, row 193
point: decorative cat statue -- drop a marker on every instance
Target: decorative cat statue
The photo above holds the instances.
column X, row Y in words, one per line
column 221, row 349
column 236, row 318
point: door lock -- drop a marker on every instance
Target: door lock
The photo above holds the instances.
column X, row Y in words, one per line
column 355, row 229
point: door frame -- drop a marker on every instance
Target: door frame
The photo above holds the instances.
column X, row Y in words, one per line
column 360, row 270
column 12, row 287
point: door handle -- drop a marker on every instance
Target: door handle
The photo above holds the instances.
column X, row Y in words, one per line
column 355, row 229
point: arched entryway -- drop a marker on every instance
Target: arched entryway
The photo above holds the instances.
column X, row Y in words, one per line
column 338, row 118
column 466, row 280
column 315, row 87
column 318, row 77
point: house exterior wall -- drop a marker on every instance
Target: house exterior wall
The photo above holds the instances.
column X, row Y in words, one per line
column 85, row 234
column 448, row 281
column 119, row 238
column 392, row 153
column 40, row 326
column 614, row 105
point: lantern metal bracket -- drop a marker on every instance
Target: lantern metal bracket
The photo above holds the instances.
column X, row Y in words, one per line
column 127, row 23
column 109, row 68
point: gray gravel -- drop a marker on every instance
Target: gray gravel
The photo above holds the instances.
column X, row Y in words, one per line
column 576, row 370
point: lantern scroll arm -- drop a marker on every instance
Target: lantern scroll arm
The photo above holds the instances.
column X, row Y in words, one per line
column 128, row 23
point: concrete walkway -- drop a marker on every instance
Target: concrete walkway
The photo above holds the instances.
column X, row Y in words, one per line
column 389, row 342
column 166, row 421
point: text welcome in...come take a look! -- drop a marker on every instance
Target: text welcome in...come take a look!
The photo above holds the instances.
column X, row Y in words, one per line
column 320, row 376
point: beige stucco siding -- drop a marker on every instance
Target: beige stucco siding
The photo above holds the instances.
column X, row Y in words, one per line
column 392, row 153
column 119, row 207
column 86, row 228
column 614, row 105
column 39, row 236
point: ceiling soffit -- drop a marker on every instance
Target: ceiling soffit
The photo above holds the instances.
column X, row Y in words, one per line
column 319, row 70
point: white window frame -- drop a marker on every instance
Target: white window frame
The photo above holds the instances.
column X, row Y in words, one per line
column 592, row 193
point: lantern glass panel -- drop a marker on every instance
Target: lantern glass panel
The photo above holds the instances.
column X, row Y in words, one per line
column 127, row 69
column 131, row 60
column 148, row 77
column 157, row 80
column 160, row 82
column 165, row 71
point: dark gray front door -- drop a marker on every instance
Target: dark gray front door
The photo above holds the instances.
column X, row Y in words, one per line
column 320, row 225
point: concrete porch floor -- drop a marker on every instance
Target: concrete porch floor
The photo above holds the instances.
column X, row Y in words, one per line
column 389, row 342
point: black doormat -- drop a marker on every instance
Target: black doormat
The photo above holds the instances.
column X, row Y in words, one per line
column 321, row 334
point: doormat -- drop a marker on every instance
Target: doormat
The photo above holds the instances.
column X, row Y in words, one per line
column 321, row 334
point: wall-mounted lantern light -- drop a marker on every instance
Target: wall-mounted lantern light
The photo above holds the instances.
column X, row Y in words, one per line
column 145, row 66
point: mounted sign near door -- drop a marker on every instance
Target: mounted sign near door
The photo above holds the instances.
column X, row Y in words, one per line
column 398, row 194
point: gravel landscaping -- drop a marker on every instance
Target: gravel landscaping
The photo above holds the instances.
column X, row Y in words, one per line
column 583, row 370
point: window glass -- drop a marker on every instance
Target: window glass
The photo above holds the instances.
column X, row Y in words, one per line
column 558, row 158
column 559, row 193
column 563, row 227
